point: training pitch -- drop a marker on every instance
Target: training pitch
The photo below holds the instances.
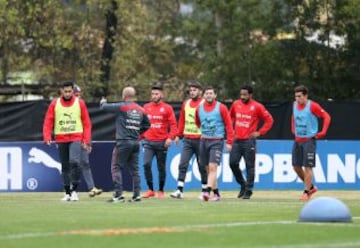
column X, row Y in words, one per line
column 269, row 219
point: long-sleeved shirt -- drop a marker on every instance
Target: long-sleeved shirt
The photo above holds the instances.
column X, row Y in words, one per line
column 131, row 120
column 163, row 122
column 193, row 103
column 48, row 126
column 208, row 107
column 319, row 112
column 246, row 116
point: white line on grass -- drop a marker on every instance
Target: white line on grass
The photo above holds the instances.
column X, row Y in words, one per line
column 320, row 245
column 26, row 235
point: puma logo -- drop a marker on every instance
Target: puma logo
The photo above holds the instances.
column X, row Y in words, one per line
column 40, row 157
column 68, row 115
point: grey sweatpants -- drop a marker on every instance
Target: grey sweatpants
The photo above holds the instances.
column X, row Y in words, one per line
column 85, row 169
column 69, row 154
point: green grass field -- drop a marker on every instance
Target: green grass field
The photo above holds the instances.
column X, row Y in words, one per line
column 269, row 219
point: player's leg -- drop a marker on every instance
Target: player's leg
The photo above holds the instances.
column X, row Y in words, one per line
column 234, row 160
column 149, row 153
column 161, row 154
column 249, row 156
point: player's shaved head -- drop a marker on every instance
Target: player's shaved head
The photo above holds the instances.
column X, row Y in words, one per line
column 128, row 93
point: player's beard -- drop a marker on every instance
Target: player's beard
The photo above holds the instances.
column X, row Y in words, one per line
column 195, row 97
column 245, row 100
column 67, row 98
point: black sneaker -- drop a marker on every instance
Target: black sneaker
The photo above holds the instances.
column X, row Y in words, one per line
column 117, row 199
column 135, row 199
column 241, row 193
column 247, row 194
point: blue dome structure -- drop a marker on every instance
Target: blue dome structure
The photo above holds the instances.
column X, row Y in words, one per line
column 325, row 209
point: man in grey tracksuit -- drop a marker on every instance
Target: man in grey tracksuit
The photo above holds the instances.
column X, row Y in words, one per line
column 131, row 121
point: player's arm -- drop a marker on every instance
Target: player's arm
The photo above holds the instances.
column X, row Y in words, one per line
column 145, row 124
column 233, row 114
column 318, row 111
column 48, row 125
column 197, row 118
column 227, row 123
column 111, row 107
column 181, row 122
column 172, row 123
column 267, row 118
column 85, row 118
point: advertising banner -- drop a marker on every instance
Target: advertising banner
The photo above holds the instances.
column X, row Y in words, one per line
column 35, row 167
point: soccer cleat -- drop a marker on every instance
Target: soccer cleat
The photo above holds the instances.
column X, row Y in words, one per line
column 205, row 196
column 177, row 194
column 149, row 193
column 215, row 198
column 94, row 192
column 241, row 193
column 135, row 199
column 313, row 191
column 247, row 194
column 304, row 197
column 116, row 199
column 66, row 197
column 200, row 197
column 160, row 194
column 74, row 196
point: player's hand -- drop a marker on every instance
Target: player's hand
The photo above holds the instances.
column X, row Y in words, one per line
column 167, row 142
column 86, row 147
column 177, row 139
column 254, row 135
column 319, row 135
column 228, row 147
column 103, row 100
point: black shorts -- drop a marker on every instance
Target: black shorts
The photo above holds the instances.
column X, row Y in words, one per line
column 304, row 153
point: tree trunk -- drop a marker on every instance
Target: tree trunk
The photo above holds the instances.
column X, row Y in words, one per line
column 108, row 49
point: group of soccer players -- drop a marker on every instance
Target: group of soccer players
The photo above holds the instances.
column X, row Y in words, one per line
column 204, row 126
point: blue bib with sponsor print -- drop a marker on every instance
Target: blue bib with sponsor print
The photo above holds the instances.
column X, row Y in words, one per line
column 212, row 125
column 306, row 123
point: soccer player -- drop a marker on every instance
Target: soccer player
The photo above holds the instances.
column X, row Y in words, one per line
column 158, row 138
column 213, row 119
column 191, row 138
column 131, row 122
column 68, row 118
column 304, row 125
column 84, row 161
column 245, row 114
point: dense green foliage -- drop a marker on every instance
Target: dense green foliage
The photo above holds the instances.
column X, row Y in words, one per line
column 105, row 45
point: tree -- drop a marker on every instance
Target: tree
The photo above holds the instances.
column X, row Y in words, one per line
column 105, row 45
